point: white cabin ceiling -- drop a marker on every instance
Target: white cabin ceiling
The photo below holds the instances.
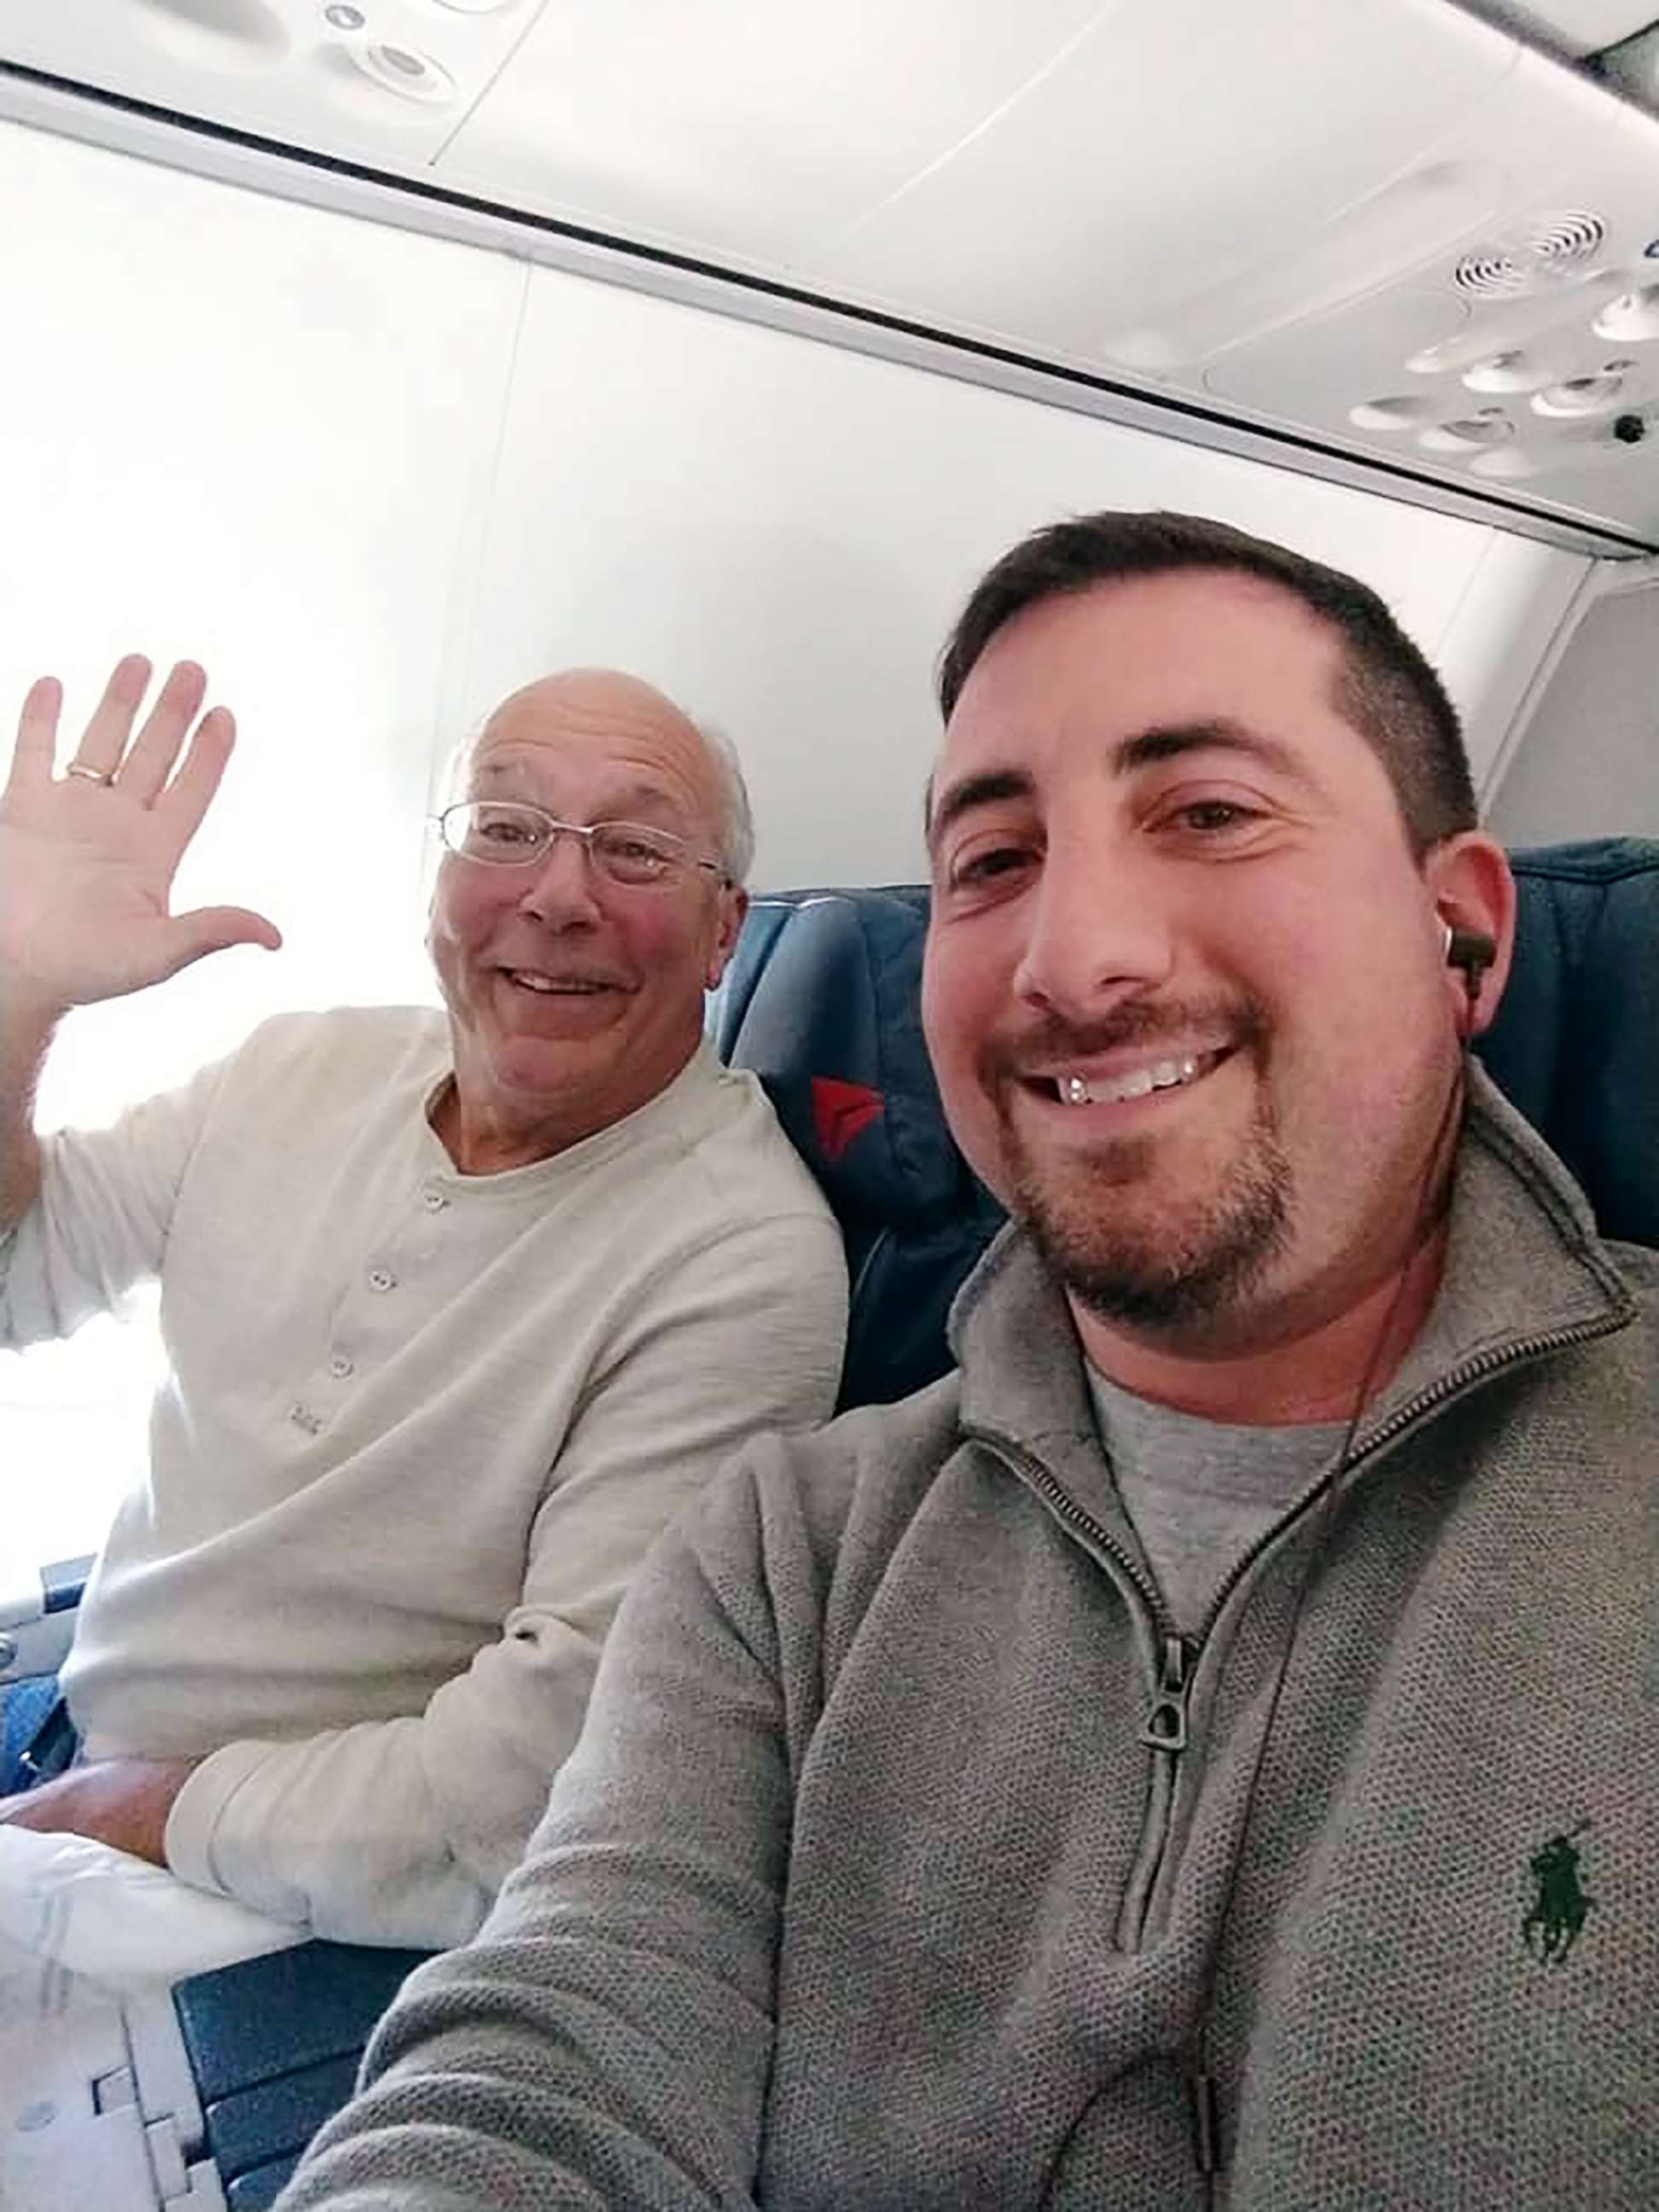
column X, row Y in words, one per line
column 1381, row 228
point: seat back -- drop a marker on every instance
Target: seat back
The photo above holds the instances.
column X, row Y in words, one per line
column 823, row 1001
column 1576, row 1044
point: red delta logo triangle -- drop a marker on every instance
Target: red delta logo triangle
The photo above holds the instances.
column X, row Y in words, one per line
column 839, row 1111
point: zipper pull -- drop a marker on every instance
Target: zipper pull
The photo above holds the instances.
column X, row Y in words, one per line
column 1206, row 2123
column 1166, row 1723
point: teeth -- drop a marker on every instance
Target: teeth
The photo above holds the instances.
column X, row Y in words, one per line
column 545, row 984
column 1137, row 1083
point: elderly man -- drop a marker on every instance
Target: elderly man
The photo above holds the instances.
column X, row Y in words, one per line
column 458, row 1311
column 1117, row 1776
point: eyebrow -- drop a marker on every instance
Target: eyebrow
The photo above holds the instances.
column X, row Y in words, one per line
column 987, row 789
column 1169, row 741
column 1144, row 748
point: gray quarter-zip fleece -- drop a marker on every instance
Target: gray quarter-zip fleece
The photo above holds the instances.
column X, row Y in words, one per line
column 910, row 1861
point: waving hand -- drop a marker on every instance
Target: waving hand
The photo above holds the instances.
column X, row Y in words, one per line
column 87, row 858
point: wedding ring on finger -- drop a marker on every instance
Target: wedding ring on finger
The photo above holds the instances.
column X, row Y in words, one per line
column 90, row 774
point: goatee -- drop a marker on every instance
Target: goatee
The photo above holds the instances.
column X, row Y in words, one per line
column 1187, row 1270
column 1188, row 1265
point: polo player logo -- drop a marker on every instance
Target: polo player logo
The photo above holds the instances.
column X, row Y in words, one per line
column 1559, row 1907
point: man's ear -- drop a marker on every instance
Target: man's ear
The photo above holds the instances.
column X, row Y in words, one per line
column 1473, row 894
column 733, row 905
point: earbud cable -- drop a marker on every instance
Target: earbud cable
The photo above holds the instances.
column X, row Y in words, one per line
column 1434, row 1198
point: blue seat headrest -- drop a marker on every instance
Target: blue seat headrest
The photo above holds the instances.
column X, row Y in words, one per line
column 822, row 1001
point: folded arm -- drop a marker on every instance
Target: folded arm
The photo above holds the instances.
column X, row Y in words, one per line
column 401, row 1830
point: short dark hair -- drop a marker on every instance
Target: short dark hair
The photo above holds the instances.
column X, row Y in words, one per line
column 1386, row 689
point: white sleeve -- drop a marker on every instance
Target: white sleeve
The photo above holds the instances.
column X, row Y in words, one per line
column 99, row 1225
column 401, row 1830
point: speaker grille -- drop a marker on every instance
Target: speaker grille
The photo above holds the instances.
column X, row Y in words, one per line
column 1550, row 247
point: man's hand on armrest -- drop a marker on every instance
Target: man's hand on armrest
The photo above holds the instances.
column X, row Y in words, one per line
column 124, row 1802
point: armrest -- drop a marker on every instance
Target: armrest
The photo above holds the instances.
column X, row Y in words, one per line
column 274, row 2045
column 37, row 1591
column 38, row 1606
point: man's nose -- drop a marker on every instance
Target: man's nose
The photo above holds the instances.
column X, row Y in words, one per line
column 560, row 885
column 1101, row 929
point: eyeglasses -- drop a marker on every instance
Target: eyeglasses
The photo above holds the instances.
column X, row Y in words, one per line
column 506, row 833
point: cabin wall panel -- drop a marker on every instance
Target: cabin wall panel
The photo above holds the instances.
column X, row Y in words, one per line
column 1587, row 765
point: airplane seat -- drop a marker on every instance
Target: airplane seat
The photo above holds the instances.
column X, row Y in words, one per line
column 1576, row 1043
column 821, row 1000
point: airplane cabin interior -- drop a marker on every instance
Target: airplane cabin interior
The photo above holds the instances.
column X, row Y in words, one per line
column 382, row 356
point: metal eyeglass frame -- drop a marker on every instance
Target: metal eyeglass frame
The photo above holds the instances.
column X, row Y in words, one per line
column 683, row 859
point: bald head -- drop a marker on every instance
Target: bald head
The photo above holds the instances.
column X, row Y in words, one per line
column 574, row 994
column 594, row 710
column 605, row 698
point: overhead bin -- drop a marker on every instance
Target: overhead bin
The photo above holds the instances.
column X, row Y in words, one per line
column 1385, row 232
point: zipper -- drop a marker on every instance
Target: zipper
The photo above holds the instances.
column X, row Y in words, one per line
column 1166, row 1723
column 1166, row 1730
column 1066, row 1509
column 1476, row 1371
column 1164, row 1735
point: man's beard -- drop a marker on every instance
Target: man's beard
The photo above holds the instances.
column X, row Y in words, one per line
column 1184, row 1268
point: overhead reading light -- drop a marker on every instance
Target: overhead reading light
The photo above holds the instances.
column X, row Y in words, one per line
column 400, row 70
column 1514, row 371
column 1508, row 326
column 1633, row 316
column 1467, row 434
column 1583, row 395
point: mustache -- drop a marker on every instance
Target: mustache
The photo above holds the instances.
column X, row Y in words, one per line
column 1048, row 1038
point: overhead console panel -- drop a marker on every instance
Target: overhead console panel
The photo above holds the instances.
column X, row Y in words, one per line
column 1386, row 229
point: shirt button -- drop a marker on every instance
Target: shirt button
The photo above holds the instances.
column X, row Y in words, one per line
column 433, row 1199
column 303, row 1417
column 339, row 1367
column 382, row 1279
